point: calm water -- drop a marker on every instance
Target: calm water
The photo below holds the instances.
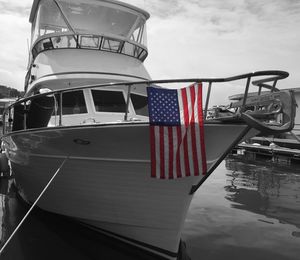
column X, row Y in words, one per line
column 244, row 210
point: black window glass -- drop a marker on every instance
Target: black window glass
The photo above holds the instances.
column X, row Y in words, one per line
column 108, row 101
column 73, row 103
column 140, row 104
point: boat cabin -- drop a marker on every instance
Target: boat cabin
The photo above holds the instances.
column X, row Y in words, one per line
column 83, row 42
column 79, row 43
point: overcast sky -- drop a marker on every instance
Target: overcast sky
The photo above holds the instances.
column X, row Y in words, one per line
column 186, row 38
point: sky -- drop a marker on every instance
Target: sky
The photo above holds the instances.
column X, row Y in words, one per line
column 186, row 38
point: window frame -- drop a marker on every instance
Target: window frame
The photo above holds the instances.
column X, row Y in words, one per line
column 131, row 110
column 134, row 107
column 77, row 114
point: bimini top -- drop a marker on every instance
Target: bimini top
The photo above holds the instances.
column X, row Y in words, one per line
column 132, row 7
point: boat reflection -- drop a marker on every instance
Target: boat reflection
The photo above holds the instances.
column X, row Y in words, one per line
column 44, row 235
column 268, row 189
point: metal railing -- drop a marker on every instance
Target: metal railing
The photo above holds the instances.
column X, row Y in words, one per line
column 93, row 42
column 268, row 82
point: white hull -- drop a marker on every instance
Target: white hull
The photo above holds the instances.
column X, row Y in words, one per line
column 106, row 181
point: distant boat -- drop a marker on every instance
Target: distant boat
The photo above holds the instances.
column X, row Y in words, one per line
column 86, row 104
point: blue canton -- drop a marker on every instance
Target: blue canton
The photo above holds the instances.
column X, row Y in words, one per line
column 163, row 106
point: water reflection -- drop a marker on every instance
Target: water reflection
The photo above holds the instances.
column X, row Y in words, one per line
column 48, row 236
column 246, row 210
column 268, row 189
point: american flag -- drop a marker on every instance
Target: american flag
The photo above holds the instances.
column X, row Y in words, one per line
column 176, row 132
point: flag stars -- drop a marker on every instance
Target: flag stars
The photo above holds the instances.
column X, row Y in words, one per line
column 163, row 106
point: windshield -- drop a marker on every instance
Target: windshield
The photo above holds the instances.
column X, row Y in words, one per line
column 48, row 20
column 94, row 17
column 90, row 20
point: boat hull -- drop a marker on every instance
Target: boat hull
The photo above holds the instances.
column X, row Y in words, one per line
column 105, row 181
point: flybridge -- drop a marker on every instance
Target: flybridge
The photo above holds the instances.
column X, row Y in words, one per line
column 112, row 32
column 103, row 25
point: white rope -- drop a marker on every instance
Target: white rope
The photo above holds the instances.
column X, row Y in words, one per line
column 32, row 206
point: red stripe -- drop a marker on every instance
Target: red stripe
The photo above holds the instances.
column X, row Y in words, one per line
column 152, row 144
column 185, row 141
column 185, row 107
column 186, row 154
column 193, row 133
column 170, row 134
column 162, row 152
column 178, row 164
column 201, row 126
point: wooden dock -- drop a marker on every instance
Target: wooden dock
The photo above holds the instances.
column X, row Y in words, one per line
column 274, row 152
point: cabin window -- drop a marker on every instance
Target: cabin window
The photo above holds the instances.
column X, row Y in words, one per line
column 111, row 45
column 64, row 41
column 132, row 50
column 73, row 103
column 109, row 101
column 128, row 48
column 48, row 20
column 140, row 104
column 89, row 41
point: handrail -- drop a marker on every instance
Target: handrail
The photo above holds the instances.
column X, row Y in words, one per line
column 279, row 75
column 269, row 75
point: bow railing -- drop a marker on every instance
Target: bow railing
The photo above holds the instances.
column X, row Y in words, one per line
column 270, row 110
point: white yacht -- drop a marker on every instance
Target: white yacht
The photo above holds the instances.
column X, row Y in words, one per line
column 86, row 105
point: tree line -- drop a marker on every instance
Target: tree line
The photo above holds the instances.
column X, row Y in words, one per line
column 7, row 92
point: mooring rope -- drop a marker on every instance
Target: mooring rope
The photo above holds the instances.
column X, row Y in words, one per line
column 32, row 206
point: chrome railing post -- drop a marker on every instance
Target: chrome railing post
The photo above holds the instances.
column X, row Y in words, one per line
column 25, row 116
column 9, row 120
column 274, row 85
column 127, row 103
column 60, row 108
column 259, row 90
column 55, row 109
column 207, row 99
column 246, row 93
